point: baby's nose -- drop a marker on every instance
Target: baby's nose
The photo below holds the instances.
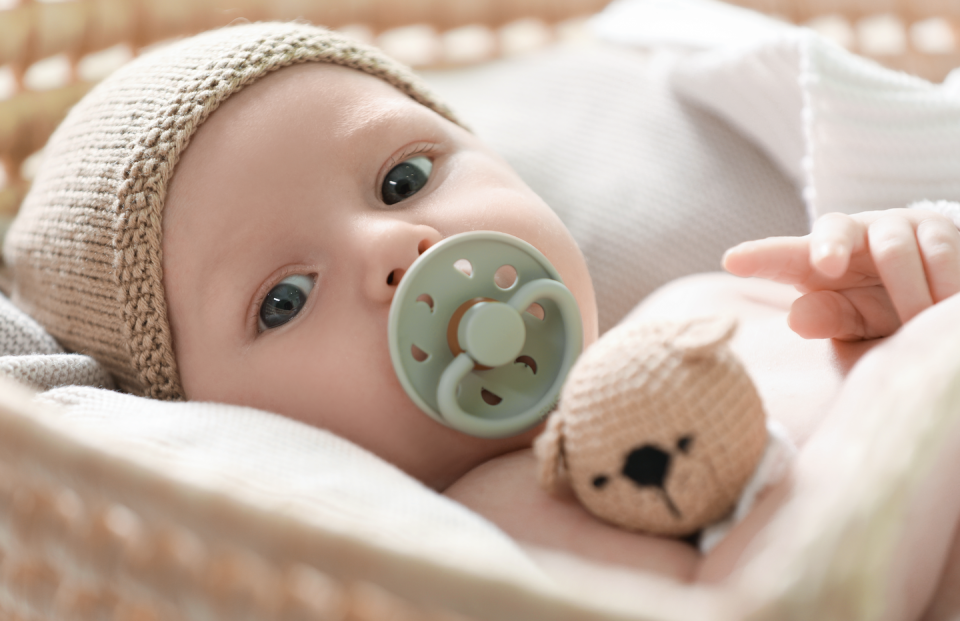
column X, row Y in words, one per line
column 393, row 278
column 390, row 254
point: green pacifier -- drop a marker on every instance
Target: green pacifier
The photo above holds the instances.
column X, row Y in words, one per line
column 483, row 333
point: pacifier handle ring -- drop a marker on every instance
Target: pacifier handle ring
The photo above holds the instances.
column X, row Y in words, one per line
column 463, row 364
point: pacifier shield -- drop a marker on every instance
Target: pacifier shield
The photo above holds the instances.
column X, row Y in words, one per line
column 449, row 302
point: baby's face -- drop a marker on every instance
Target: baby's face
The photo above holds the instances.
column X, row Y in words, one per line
column 287, row 226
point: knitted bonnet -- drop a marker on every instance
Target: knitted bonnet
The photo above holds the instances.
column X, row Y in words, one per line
column 85, row 248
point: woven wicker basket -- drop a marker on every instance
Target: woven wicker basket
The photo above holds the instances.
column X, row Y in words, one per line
column 917, row 36
column 51, row 53
column 101, row 518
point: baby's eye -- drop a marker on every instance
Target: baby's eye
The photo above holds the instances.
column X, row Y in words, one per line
column 406, row 179
column 284, row 301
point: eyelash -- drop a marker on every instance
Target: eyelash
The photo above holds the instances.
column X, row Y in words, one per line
column 427, row 149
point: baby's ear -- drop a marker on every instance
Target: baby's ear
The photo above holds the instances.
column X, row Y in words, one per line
column 703, row 335
column 548, row 448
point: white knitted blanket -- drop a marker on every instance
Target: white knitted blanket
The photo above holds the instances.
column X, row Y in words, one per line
column 856, row 135
column 31, row 356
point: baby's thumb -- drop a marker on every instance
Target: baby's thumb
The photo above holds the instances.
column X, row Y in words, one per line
column 824, row 315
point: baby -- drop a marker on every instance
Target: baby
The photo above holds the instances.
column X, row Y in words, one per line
column 213, row 224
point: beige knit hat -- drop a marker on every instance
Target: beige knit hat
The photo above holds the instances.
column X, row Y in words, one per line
column 85, row 247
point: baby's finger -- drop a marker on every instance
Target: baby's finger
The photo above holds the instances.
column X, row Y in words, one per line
column 833, row 239
column 852, row 315
column 824, row 315
column 895, row 253
column 939, row 243
column 782, row 259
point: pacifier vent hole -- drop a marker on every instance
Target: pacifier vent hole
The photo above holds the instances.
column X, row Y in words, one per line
column 426, row 299
column 505, row 277
column 490, row 398
column 418, row 354
column 527, row 360
column 536, row 310
column 464, row 266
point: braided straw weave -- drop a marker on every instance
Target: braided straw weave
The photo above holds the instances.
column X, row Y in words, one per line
column 74, row 29
column 917, row 36
column 32, row 31
column 85, row 536
column 86, row 247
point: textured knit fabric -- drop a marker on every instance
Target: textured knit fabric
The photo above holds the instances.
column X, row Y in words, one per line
column 43, row 372
column 947, row 209
column 774, row 465
column 872, row 138
column 659, row 426
column 85, row 249
column 29, row 355
column 856, row 135
column 291, row 469
column 20, row 335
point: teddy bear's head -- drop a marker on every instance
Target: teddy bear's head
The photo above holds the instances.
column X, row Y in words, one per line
column 659, row 427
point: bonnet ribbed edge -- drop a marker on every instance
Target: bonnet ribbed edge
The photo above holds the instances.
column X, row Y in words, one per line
column 85, row 249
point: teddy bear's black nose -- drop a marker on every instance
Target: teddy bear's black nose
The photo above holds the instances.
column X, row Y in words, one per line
column 647, row 465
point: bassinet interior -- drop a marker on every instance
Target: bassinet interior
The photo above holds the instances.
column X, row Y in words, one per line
column 141, row 537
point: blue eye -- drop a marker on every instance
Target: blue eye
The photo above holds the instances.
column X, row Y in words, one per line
column 406, row 179
column 284, row 301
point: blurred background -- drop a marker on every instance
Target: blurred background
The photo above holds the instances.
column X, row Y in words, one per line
column 53, row 51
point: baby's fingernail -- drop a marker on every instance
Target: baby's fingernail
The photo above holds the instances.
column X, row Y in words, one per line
column 728, row 254
column 826, row 249
column 734, row 263
column 738, row 248
column 828, row 259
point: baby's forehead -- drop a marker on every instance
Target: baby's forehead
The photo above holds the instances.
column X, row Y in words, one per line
column 316, row 92
column 306, row 111
column 300, row 127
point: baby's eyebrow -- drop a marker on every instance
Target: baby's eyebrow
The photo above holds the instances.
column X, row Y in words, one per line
column 370, row 118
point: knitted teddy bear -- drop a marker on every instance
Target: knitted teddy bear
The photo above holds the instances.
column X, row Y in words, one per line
column 659, row 427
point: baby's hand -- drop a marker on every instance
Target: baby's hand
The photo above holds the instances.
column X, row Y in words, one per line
column 863, row 275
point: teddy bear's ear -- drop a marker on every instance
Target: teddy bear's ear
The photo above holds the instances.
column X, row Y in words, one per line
column 703, row 335
column 548, row 447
